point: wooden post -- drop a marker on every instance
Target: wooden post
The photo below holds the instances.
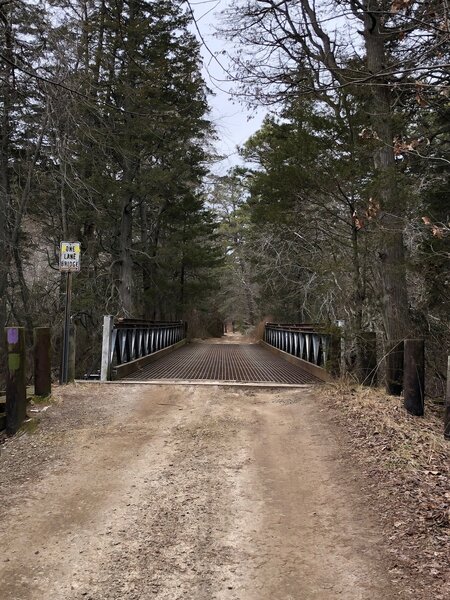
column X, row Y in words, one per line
column 447, row 404
column 105, row 371
column 42, row 361
column 334, row 355
column 394, row 367
column 16, row 391
column 72, row 353
column 342, row 366
column 414, row 377
column 65, row 347
column 368, row 357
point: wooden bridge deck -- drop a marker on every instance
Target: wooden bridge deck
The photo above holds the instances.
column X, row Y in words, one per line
column 243, row 363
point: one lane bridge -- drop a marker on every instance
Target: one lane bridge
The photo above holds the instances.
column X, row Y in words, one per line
column 244, row 363
column 151, row 352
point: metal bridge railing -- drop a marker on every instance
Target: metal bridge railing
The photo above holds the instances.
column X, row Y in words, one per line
column 304, row 341
column 126, row 340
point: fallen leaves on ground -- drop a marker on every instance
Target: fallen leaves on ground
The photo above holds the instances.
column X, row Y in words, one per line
column 407, row 462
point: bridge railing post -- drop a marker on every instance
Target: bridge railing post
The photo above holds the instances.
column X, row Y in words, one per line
column 105, row 370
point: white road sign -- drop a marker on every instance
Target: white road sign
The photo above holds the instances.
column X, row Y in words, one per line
column 69, row 256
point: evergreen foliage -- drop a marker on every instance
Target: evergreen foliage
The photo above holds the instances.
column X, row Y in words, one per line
column 105, row 140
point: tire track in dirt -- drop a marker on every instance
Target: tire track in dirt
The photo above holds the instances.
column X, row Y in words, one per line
column 189, row 492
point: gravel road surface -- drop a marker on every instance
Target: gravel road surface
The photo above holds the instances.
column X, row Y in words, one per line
column 172, row 492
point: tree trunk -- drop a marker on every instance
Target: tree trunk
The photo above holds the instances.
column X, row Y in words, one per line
column 25, row 295
column 7, row 75
column 130, row 168
column 391, row 248
column 126, row 260
column 149, row 271
column 358, row 299
column 146, row 265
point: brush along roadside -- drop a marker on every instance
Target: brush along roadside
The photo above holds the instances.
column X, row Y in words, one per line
column 407, row 463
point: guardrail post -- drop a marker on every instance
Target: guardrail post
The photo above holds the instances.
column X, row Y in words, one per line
column 394, row 367
column 105, row 370
column 16, row 391
column 334, row 355
column 72, row 353
column 414, row 377
column 42, row 361
column 340, row 323
column 368, row 357
column 447, row 404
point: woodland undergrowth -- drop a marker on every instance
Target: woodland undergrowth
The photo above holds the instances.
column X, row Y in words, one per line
column 406, row 459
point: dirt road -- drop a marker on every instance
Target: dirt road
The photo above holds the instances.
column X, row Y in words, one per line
column 131, row 493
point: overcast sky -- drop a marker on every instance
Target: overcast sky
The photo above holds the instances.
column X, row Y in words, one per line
column 233, row 121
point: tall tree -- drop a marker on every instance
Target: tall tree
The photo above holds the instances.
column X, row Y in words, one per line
column 238, row 290
column 23, row 125
column 297, row 47
column 105, row 129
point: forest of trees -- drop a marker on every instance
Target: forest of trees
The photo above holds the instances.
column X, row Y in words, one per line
column 105, row 139
column 339, row 212
column 344, row 211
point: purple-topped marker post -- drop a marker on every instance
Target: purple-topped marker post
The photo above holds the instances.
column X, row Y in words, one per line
column 16, row 391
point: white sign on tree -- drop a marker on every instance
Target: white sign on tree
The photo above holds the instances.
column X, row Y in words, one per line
column 69, row 257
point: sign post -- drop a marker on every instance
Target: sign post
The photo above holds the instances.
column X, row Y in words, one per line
column 69, row 262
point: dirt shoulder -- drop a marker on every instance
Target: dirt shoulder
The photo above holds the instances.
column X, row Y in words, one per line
column 407, row 462
column 170, row 492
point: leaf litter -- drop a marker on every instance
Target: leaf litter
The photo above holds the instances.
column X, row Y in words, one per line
column 407, row 461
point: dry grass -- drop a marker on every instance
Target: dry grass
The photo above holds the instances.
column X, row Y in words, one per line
column 407, row 461
column 416, row 442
